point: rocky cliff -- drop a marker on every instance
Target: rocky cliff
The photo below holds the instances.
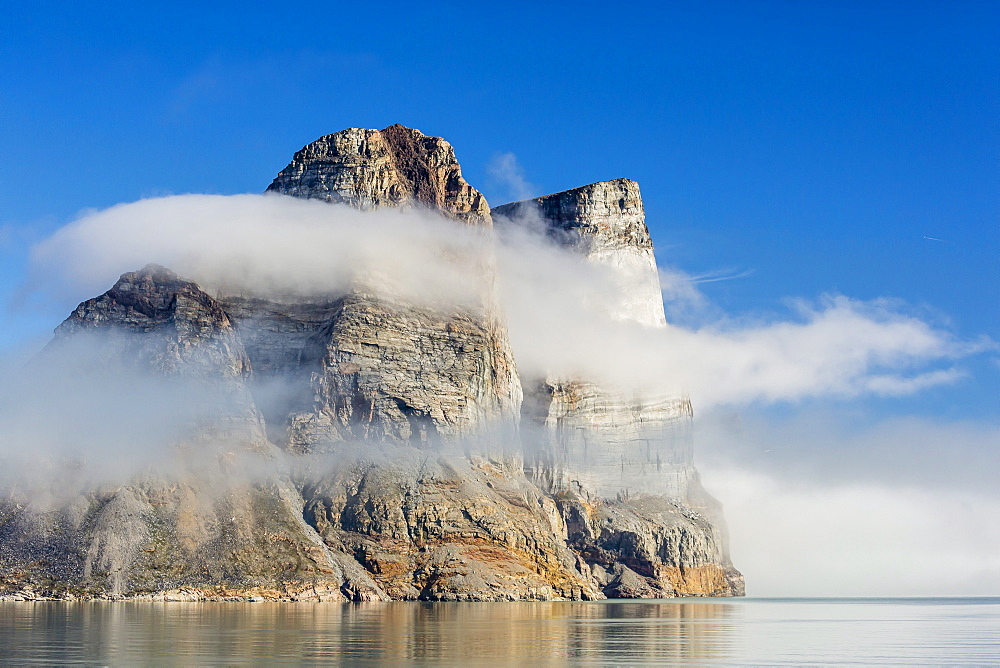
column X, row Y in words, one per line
column 205, row 527
column 627, row 449
column 386, row 369
column 605, row 223
column 359, row 446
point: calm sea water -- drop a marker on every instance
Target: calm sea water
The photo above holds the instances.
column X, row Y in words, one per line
column 678, row 632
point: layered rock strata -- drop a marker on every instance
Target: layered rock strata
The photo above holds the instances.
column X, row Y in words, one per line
column 358, row 446
column 604, row 223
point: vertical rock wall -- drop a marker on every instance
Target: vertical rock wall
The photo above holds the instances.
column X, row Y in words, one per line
column 621, row 461
column 605, row 223
column 609, row 442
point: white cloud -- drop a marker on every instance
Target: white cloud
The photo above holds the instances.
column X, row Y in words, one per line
column 557, row 305
column 834, row 347
column 507, row 175
column 262, row 243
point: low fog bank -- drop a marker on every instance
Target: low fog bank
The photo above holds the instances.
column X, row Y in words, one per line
column 559, row 308
column 74, row 418
column 858, row 539
column 848, row 444
column 816, row 507
column 261, row 244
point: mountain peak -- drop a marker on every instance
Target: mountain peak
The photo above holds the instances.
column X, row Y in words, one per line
column 393, row 167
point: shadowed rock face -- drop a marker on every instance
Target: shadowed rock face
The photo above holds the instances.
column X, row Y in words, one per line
column 399, row 423
column 158, row 325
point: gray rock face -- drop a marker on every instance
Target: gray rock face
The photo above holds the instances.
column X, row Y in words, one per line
column 187, row 330
column 610, row 444
column 361, row 447
column 651, row 546
column 440, row 527
column 158, row 325
column 394, row 372
column 370, row 368
column 199, row 536
column 211, row 525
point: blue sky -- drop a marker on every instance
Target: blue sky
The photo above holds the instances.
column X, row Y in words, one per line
column 815, row 147
column 804, row 149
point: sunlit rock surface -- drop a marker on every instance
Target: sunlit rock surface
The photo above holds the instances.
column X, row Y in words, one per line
column 610, row 444
column 358, row 446
column 605, row 223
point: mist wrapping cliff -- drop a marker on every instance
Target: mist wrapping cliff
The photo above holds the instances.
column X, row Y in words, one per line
column 372, row 439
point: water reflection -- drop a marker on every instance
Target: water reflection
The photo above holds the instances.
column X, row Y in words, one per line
column 557, row 633
column 775, row 632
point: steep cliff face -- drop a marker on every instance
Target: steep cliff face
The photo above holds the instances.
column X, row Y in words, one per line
column 610, row 442
column 447, row 527
column 187, row 331
column 605, row 223
column 358, row 446
column 365, row 366
column 160, row 326
column 650, row 546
